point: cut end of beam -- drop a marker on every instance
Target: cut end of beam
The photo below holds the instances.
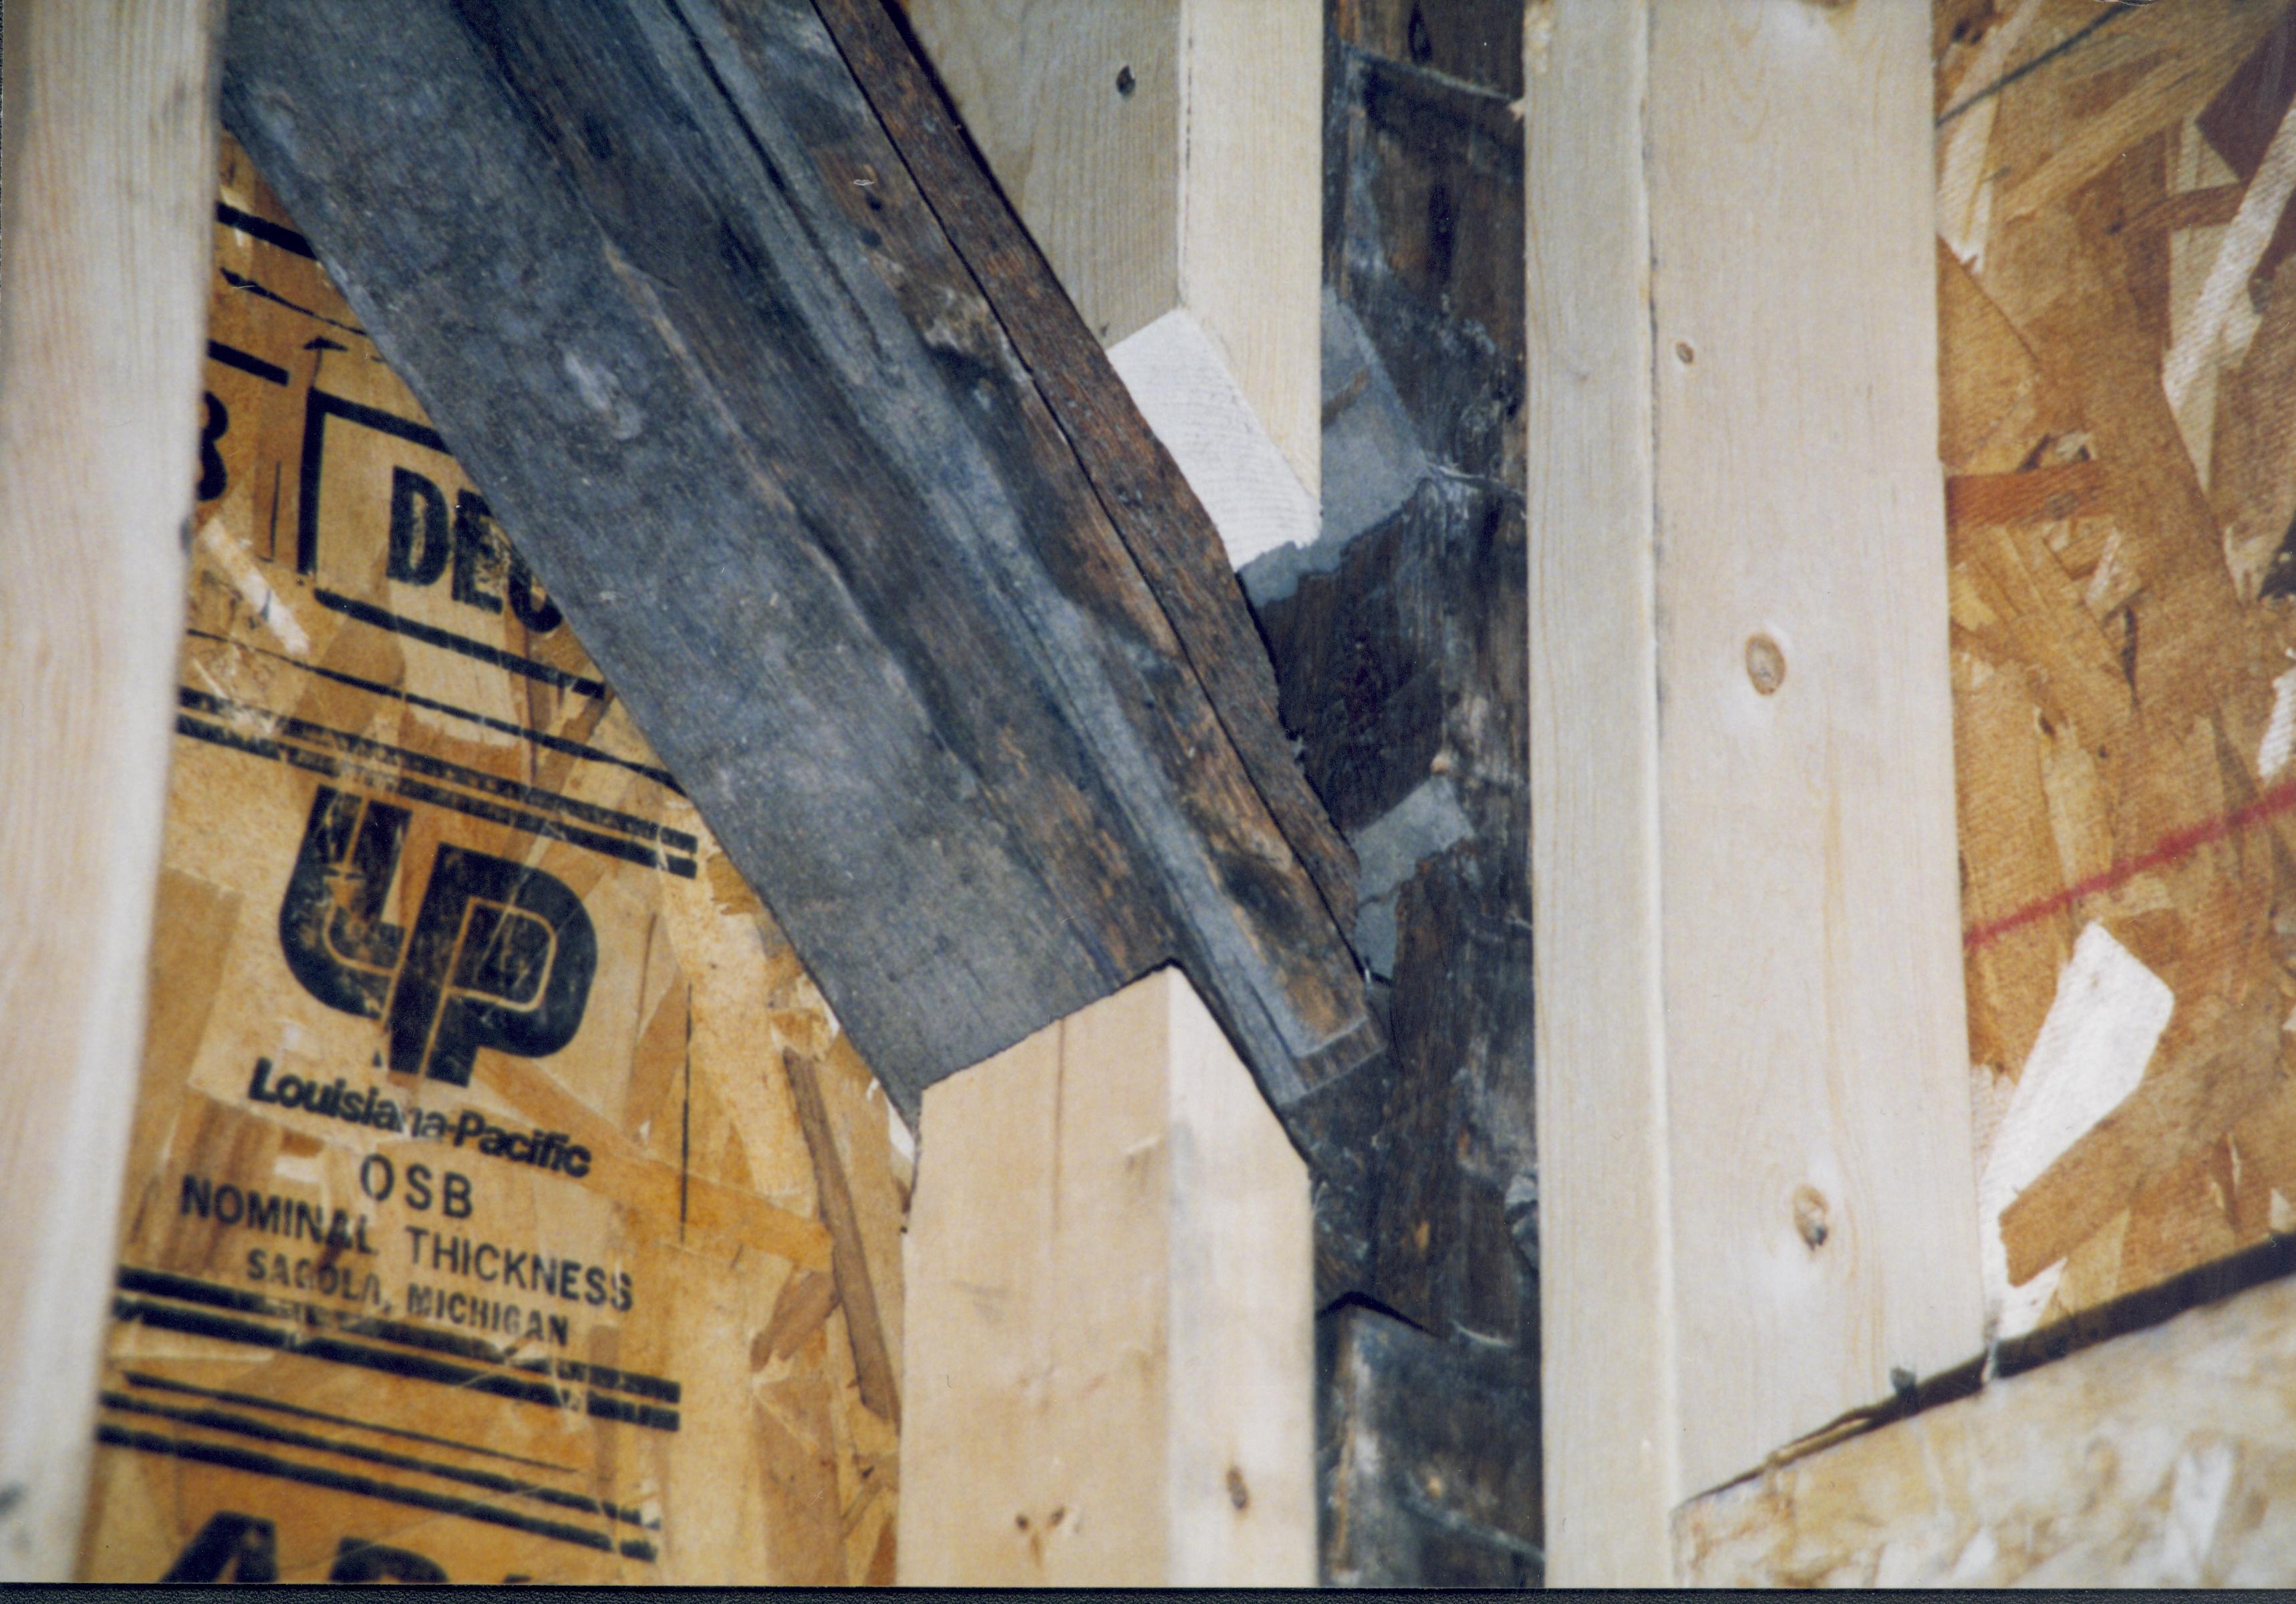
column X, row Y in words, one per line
column 1182, row 387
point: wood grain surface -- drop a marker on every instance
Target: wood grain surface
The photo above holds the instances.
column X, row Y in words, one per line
column 1821, row 1212
column 672, row 296
column 1757, row 1205
column 1607, row 1380
column 1141, row 490
column 1165, row 155
column 110, row 154
column 1111, row 1332
column 1430, row 1453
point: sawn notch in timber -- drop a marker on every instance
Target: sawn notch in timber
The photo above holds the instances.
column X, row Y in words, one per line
column 839, row 491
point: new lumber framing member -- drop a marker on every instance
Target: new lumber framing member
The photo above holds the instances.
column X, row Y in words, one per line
column 109, row 187
column 1754, row 1143
column 1110, row 1334
column 1166, row 155
column 841, row 495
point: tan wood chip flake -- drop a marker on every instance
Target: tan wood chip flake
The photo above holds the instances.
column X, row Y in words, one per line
column 503, row 1200
column 2161, row 1459
column 2118, row 323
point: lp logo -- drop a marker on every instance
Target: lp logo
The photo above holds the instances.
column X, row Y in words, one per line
column 501, row 954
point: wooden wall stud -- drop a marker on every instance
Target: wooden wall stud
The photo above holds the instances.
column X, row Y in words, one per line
column 110, row 164
column 1756, row 1181
column 1111, row 1358
column 1167, row 156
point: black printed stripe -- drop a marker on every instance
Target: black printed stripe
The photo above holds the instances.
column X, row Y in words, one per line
column 541, row 738
column 334, row 768
column 635, row 1414
column 383, row 618
column 413, row 1367
column 184, row 1288
column 252, row 1401
column 269, row 232
column 438, row 768
column 246, row 362
column 232, row 1458
column 285, row 1437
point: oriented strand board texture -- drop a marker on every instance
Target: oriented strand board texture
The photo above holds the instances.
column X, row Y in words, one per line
column 2118, row 433
column 2165, row 1459
column 503, row 1201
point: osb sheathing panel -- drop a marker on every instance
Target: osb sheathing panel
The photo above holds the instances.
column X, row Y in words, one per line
column 586, row 1265
column 2118, row 433
column 2164, row 1459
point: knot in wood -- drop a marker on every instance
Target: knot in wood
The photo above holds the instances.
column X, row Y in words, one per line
column 1766, row 664
column 1812, row 1216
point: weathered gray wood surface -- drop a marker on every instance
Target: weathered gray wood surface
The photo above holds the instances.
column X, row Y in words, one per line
column 1401, row 657
column 673, row 300
column 1428, row 1456
column 1140, row 487
column 1398, row 644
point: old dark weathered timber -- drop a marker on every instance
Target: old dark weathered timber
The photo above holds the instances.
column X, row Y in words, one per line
column 1402, row 651
column 674, row 300
column 1399, row 644
column 1428, row 1455
column 1169, row 535
column 1140, row 487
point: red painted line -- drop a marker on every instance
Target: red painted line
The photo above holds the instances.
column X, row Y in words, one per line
column 2176, row 844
